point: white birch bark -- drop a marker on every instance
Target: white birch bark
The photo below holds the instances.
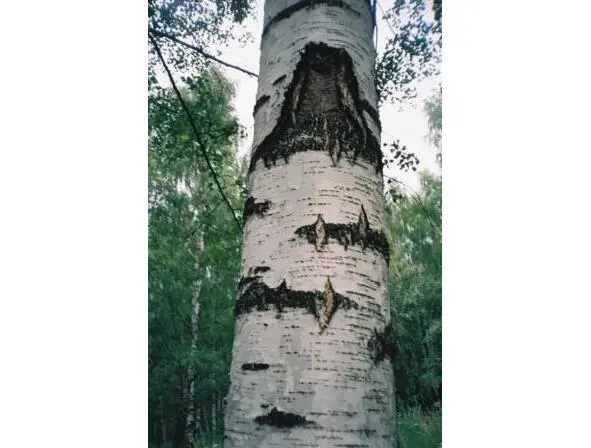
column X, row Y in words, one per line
column 291, row 383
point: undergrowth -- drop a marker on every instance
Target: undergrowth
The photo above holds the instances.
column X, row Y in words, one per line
column 419, row 429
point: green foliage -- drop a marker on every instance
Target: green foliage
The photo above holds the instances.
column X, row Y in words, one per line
column 418, row 429
column 413, row 53
column 195, row 246
column 186, row 17
column 414, row 223
column 197, row 22
column 194, row 243
column 194, row 252
column 399, row 156
column 433, row 108
column 194, row 255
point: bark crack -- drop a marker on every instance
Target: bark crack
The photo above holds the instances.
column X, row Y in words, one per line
column 327, row 307
column 373, row 113
column 348, row 234
column 262, row 100
column 278, row 80
column 254, row 294
column 322, row 111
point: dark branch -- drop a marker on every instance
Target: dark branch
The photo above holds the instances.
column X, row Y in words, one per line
column 195, row 131
column 200, row 51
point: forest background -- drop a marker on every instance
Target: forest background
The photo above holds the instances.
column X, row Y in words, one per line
column 198, row 151
column 74, row 230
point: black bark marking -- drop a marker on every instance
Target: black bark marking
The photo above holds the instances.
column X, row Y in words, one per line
column 262, row 100
column 251, row 207
column 349, row 234
column 281, row 293
column 320, row 233
column 326, row 307
column 282, row 419
column 322, row 111
column 244, row 281
column 373, row 113
column 278, row 80
column 254, row 294
column 261, row 269
column 363, row 227
column 382, row 344
column 255, row 366
column 287, row 12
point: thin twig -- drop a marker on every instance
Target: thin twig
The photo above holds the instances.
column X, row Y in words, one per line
column 200, row 51
column 196, row 132
column 386, row 19
column 419, row 200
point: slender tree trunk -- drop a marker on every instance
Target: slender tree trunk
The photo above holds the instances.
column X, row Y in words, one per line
column 182, row 436
column 204, row 412
column 221, row 411
column 214, row 416
column 192, row 412
column 309, row 362
column 163, row 422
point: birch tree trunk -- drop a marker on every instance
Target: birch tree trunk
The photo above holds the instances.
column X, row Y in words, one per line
column 309, row 363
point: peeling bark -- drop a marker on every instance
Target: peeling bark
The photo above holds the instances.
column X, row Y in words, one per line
column 372, row 111
column 322, row 111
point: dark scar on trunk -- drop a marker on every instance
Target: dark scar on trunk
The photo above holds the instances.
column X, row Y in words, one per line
column 251, row 207
column 255, row 366
column 261, row 269
column 373, row 113
column 322, row 111
column 348, row 234
column 287, row 12
column 254, row 294
column 382, row 344
column 281, row 419
column 278, row 80
column 262, row 100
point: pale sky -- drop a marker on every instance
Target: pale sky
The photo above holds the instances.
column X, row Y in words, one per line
column 409, row 123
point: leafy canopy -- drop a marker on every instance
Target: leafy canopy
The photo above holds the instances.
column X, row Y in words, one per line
column 413, row 52
column 194, row 251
